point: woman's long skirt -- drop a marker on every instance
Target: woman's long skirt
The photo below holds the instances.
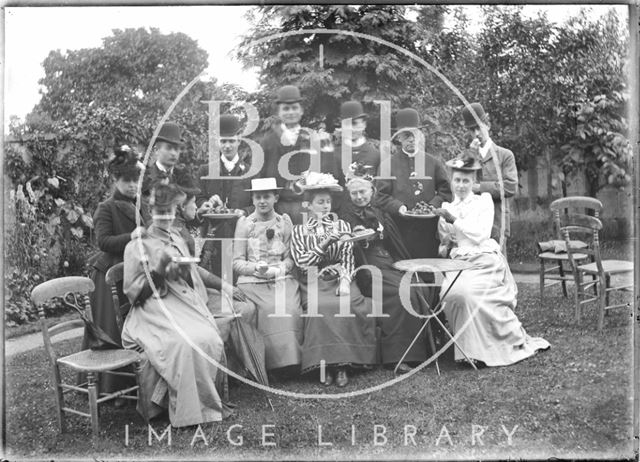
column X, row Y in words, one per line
column 400, row 327
column 479, row 308
column 283, row 331
column 334, row 339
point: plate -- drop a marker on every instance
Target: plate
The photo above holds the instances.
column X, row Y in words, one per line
column 220, row 216
column 420, row 215
column 185, row 260
column 357, row 237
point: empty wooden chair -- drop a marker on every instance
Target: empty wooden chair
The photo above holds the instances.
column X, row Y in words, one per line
column 558, row 273
column 599, row 270
column 90, row 362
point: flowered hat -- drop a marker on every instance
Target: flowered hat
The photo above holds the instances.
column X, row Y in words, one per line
column 313, row 181
column 125, row 163
column 359, row 172
column 466, row 162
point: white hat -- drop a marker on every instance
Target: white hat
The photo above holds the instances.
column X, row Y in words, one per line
column 263, row 184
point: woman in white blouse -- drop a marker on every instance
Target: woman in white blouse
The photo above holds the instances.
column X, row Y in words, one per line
column 480, row 304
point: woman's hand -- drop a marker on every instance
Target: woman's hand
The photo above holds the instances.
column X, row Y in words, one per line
column 402, row 210
column 239, row 213
column 445, row 214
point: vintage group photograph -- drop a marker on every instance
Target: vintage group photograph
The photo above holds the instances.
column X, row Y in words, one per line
column 320, row 232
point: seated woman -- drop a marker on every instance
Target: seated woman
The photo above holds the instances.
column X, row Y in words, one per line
column 340, row 341
column 399, row 327
column 262, row 261
column 168, row 315
column 114, row 221
column 479, row 304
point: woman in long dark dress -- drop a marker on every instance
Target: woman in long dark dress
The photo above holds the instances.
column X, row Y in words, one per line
column 341, row 342
column 400, row 326
column 114, row 221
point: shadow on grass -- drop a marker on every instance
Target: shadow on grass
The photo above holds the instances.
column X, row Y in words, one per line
column 571, row 401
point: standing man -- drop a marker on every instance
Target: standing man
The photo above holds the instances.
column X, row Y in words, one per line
column 405, row 191
column 165, row 169
column 282, row 139
column 227, row 192
column 492, row 158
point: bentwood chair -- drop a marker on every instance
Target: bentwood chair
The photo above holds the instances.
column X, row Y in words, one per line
column 90, row 362
column 600, row 270
column 558, row 273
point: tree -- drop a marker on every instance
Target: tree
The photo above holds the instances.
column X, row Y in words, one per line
column 352, row 68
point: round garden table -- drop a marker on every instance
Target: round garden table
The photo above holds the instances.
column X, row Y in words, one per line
column 434, row 265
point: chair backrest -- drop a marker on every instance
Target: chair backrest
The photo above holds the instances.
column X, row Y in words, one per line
column 588, row 228
column 114, row 275
column 570, row 206
column 59, row 288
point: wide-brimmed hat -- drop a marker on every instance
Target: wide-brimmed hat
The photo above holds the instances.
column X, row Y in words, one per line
column 465, row 162
column 229, row 126
column 314, row 181
column 288, row 94
column 407, row 118
column 164, row 196
column 352, row 110
column 170, row 132
column 469, row 119
column 263, row 184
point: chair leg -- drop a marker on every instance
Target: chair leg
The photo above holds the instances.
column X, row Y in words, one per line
column 563, row 282
column 93, row 403
column 142, row 403
column 62, row 424
column 606, row 286
column 578, row 282
column 602, row 303
column 595, row 286
column 541, row 279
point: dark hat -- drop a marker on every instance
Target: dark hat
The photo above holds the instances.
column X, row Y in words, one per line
column 229, row 126
column 469, row 119
column 407, row 118
column 288, row 94
column 164, row 196
column 352, row 110
column 171, row 133
column 125, row 163
column 465, row 162
column 187, row 184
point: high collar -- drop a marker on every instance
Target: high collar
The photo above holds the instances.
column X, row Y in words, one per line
column 484, row 150
column 117, row 195
column 230, row 164
column 467, row 200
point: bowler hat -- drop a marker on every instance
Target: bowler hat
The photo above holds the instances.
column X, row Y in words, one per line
column 288, row 94
column 171, row 133
column 229, row 125
column 263, row 184
column 352, row 110
column 407, row 118
column 469, row 119
column 466, row 162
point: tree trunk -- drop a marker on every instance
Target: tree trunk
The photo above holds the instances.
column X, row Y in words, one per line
column 532, row 181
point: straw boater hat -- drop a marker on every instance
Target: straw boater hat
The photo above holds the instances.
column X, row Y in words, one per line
column 263, row 184
column 314, row 181
column 469, row 119
column 466, row 162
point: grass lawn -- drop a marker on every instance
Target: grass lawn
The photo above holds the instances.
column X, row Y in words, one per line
column 573, row 401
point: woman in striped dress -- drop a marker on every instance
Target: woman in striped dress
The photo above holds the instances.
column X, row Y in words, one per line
column 326, row 266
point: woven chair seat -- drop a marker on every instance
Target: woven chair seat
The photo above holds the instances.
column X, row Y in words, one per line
column 100, row 360
column 561, row 256
column 609, row 266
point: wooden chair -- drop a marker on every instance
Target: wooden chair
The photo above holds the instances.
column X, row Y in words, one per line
column 114, row 275
column 560, row 208
column 90, row 362
column 600, row 270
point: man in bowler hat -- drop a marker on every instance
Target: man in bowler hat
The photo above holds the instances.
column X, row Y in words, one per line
column 405, row 191
column 227, row 191
column 492, row 158
column 284, row 138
